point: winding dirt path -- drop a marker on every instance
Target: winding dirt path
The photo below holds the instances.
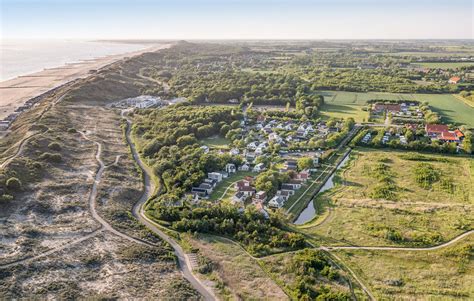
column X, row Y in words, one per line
column 23, row 142
column 139, row 212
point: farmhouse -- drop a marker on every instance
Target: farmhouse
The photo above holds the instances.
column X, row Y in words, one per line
column 448, row 137
column 434, row 130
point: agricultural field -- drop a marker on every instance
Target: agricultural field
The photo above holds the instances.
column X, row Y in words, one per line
column 349, row 104
column 383, row 199
column 443, row 274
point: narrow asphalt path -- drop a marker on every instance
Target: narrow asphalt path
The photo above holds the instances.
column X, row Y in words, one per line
column 139, row 213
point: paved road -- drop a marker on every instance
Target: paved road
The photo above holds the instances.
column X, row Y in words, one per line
column 138, row 212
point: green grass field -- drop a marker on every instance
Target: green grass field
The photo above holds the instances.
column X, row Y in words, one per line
column 444, row 65
column 222, row 186
column 349, row 104
column 421, row 216
column 215, row 142
column 446, row 274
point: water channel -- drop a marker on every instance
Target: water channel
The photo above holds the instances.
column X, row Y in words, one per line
column 310, row 212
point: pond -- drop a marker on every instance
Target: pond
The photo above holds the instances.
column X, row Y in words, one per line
column 310, row 212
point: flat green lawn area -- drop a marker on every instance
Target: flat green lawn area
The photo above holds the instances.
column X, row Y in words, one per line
column 215, row 142
column 416, row 216
column 350, row 104
column 222, row 186
column 444, row 65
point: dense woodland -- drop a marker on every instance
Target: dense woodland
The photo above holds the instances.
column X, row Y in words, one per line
column 167, row 138
column 279, row 75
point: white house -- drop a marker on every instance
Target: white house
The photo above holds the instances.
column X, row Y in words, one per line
column 244, row 167
column 259, row 167
column 215, row 175
column 239, row 197
column 252, row 145
column 259, row 151
column 234, row 151
column 276, row 202
column 205, row 148
column 230, row 168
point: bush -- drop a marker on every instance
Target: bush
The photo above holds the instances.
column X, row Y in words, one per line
column 13, row 184
column 6, row 198
column 51, row 157
column 55, row 146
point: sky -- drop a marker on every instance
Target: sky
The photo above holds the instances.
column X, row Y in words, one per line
column 237, row 19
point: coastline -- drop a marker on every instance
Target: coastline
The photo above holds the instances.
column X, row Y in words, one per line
column 14, row 93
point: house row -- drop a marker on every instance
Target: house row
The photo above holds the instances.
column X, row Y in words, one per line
column 288, row 189
column 442, row 133
column 213, row 178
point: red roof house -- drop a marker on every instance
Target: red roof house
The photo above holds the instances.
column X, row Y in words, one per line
column 459, row 134
column 449, row 136
column 380, row 107
column 435, row 129
column 454, row 80
column 241, row 184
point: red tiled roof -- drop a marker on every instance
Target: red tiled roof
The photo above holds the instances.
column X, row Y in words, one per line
column 459, row 133
column 387, row 107
column 246, row 188
column 449, row 136
column 242, row 183
column 455, row 79
column 436, row 128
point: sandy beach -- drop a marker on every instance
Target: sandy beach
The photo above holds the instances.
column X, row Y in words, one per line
column 15, row 92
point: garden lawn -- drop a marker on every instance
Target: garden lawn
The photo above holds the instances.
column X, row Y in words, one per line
column 215, row 142
column 228, row 183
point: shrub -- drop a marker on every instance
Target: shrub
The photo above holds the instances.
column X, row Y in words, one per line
column 13, row 184
column 55, row 146
column 51, row 157
column 6, row 198
column 426, row 175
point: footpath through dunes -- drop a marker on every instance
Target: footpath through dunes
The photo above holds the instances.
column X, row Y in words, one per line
column 138, row 211
column 81, row 191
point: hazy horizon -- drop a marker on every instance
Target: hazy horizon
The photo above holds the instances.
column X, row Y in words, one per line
column 237, row 19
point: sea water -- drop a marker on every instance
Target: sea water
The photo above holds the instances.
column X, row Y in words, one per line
column 21, row 57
